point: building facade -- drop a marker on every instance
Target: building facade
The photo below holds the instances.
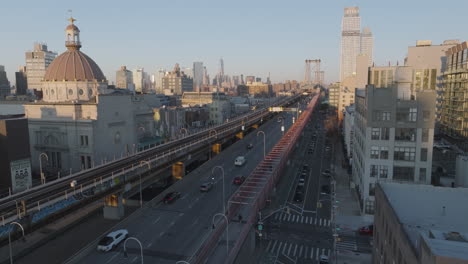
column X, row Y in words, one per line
column 393, row 137
column 260, row 89
column 15, row 164
column 198, row 73
column 124, row 79
column 80, row 122
column 21, row 81
column 37, row 62
column 367, row 45
column 334, row 95
column 348, row 130
column 350, row 41
column 420, row 224
column 5, row 88
column 454, row 111
column 176, row 82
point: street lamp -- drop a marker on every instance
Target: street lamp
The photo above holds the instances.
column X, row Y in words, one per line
column 227, row 230
column 138, row 241
column 264, row 147
column 9, row 239
column 184, row 129
column 212, row 175
column 141, row 193
column 40, row 166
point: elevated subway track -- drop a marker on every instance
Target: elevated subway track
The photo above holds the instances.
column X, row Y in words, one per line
column 125, row 168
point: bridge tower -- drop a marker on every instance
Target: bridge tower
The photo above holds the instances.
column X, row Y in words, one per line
column 313, row 66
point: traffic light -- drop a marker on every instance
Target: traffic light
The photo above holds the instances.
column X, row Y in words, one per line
column 260, row 226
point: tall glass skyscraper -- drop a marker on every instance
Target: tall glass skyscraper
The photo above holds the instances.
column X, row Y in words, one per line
column 350, row 41
column 198, row 72
column 367, row 44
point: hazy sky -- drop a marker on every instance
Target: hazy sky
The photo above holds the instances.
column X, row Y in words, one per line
column 254, row 37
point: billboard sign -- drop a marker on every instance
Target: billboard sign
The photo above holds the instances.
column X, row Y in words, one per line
column 20, row 175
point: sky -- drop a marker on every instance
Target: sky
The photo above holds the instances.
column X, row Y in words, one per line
column 254, row 37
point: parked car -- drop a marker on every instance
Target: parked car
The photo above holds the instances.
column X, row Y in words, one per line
column 205, row 187
column 112, row 239
column 238, row 180
column 298, row 197
column 171, row 197
column 249, row 146
column 323, row 259
column 367, row 230
column 325, row 189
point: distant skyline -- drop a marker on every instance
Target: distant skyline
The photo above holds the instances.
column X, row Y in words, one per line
column 252, row 37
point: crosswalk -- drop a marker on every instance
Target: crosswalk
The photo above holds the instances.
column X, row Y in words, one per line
column 294, row 250
column 300, row 219
column 347, row 241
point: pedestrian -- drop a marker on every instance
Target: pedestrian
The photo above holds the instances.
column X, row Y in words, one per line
column 240, row 218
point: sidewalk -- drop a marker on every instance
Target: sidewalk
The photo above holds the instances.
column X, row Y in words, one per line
column 348, row 214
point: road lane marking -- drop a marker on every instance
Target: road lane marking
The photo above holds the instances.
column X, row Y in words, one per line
column 185, row 196
column 113, row 257
column 134, row 259
column 328, row 253
column 172, row 223
column 289, row 249
column 161, row 234
column 284, row 217
column 317, row 254
column 268, row 246
column 274, row 245
column 293, row 218
column 295, row 249
column 311, row 253
column 300, row 251
column 284, row 248
column 181, row 214
column 150, row 244
column 315, row 221
column 155, row 221
column 279, row 247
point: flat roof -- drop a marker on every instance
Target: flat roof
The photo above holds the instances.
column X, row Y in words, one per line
column 435, row 214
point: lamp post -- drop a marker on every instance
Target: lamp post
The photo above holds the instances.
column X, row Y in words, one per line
column 227, row 230
column 222, row 173
column 264, row 147
column 184, row 129
column 141, row 193
column 138, row 241
column 40, row 166
column 9, row 239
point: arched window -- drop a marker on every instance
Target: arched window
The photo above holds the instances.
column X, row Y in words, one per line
column 69, row 37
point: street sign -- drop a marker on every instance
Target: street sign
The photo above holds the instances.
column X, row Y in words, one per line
column 275, row 109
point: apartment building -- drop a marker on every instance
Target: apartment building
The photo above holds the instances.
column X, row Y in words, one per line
column 393, row 136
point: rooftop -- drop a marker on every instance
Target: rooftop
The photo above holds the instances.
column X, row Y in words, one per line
column 436, row 214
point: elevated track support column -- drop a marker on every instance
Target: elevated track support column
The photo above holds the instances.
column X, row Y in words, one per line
column 178, row 170
column 113, row 207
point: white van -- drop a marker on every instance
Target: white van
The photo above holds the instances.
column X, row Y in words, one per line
column 239, row 161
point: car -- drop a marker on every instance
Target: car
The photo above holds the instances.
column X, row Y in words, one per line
column 249, row 146
column 111, row 240
column 324, row 259
column 367, row 230
column 301, row 182
column 205, row 187
column 171, row 197
column 238, row 180
column 325, row 189
column 305, row 166
column 240, row 160
column 298, row 197
column 299, row 188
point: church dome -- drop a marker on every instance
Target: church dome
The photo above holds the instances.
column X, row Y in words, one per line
column 74, row 65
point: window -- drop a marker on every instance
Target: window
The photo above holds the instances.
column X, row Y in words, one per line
column 385, row 116
column 84, row 140
column 422, row 174
column 403, row 173
column 83, row 162
column 383, row 172
column 425, row 135
column 405, row 134
column 375, row 133
column 374, row 152
column 374, row 170
column 423, row 154
column 413, row 114
column 384, row 152
column 376, row 115
column 404, row 153
column 371, row 189
column 88, row 159
column 385, row 133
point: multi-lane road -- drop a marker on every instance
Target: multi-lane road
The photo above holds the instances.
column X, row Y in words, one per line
column 173, row 232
